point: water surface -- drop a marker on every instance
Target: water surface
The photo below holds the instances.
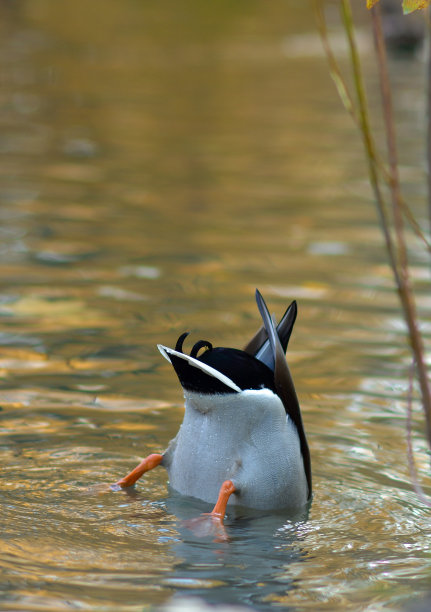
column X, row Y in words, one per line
column 159, row 162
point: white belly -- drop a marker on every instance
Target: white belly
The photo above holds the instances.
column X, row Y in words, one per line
column 242, row 437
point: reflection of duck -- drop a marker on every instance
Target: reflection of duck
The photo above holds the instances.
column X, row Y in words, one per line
column 230, row 573
column 403, row 33
column 242, row 438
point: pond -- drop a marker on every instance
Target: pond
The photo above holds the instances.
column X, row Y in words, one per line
column 159, row 162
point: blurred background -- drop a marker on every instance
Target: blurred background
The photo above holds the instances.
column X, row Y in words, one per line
column 158, row 161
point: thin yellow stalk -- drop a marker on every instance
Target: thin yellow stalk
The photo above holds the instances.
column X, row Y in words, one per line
column 366, row 134
column 334, row 68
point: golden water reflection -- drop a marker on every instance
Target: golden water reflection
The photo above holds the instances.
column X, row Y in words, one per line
column 159, row 162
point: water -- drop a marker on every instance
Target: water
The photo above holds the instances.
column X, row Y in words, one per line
column 160, row 161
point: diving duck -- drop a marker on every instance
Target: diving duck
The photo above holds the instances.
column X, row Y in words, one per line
column 242, row 440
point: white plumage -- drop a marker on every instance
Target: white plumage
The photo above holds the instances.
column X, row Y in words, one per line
column 244, row 437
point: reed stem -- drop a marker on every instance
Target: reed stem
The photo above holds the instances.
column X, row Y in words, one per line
column 403, row 277
column 394, row 238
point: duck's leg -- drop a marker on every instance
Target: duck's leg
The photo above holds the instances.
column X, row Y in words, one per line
column 225, row 492
column 211, row 523
column 147, row 464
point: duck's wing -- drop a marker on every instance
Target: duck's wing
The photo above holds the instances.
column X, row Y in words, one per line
column 259, row 346
column 284, row 383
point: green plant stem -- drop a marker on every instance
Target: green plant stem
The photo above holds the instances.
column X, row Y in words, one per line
column 366, row 134
column 334, row 69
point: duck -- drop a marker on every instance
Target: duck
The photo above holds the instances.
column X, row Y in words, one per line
column 242, row 440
